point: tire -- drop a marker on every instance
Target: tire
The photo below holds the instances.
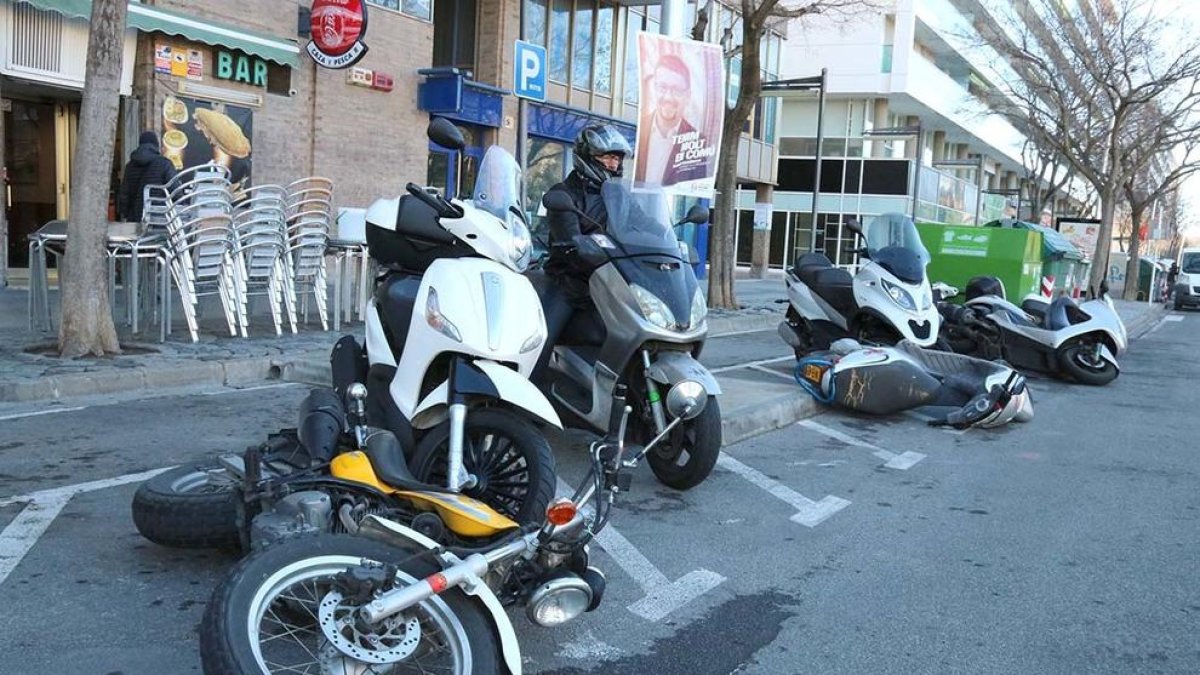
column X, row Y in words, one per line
column 525, row 462
column 1074, row 362
column 244, row 597
column 685, row 458
column 189, row 507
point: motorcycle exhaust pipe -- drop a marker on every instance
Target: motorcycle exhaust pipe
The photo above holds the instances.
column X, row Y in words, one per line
column 322, row 419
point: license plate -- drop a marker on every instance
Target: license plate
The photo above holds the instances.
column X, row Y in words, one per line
column 813, row 373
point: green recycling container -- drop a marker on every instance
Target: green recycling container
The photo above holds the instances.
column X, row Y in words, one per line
column 960, row 252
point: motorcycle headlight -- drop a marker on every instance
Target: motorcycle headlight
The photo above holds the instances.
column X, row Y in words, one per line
column 653, row 308
column 898, row 295
column 699, row 309
column 436, row 320
column 520, row 245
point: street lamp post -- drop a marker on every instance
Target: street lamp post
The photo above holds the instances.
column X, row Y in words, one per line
column 819, row 84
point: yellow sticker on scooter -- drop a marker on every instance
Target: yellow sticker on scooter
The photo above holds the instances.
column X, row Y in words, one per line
column 813, row 373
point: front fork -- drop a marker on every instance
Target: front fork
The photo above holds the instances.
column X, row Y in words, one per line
column 652, row 395
column 457, row 477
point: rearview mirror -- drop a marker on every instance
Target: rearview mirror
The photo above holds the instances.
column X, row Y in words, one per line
column 697, row 215
column 854, row 226
column 443, row 132
column 557, row 200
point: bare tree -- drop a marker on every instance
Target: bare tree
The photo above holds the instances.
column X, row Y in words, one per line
column 757, row 17
column 87, row 324
column 1084, row 75
column 1046, row 174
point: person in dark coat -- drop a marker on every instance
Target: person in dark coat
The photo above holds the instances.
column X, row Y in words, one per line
column 599, row 153
column 147, row 166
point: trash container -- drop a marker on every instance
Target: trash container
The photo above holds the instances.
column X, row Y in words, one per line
column 960, row 252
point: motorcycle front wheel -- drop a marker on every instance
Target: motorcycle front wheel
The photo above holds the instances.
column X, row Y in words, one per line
column 1080, row 360
column 688, row 454
column 281, row 611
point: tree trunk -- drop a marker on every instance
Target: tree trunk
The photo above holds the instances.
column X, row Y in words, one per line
column 87, row 324
column 1108, row 207
column 1133, row 267
column 722, row 256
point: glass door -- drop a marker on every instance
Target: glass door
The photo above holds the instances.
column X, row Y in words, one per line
column 31, row 190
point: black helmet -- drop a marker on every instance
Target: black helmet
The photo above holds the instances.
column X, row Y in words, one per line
column 599, row 140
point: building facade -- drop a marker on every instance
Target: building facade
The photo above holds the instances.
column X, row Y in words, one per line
column 906, row 128
column 361, row 127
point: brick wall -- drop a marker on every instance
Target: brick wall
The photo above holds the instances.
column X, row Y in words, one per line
column 369, row 142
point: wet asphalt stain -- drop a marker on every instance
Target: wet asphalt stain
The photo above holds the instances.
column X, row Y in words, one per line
column 725, row 640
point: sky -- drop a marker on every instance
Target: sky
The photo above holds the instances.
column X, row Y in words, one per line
column 1188, row 11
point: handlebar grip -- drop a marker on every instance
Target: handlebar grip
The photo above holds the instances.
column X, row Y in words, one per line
column 430, row 200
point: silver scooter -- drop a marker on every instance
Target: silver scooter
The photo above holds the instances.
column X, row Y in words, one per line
column 1081, row 341
column 654, row 318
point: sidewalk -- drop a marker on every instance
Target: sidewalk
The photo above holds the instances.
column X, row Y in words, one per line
column 757, row 397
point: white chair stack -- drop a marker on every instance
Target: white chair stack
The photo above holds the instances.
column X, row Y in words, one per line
column 260, row 254
column 309, row 220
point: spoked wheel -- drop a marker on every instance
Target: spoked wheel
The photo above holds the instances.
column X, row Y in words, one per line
column 688, row 454
column 286, row 610
column 1082, row 361
column 191, row 506
column 508, row 456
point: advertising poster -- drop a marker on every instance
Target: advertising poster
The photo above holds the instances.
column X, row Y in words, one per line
column 198, row 132
column 1083, row 234
column 185, row 63
column 682, row 85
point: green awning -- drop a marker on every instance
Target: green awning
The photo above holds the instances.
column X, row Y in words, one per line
column 159, row 20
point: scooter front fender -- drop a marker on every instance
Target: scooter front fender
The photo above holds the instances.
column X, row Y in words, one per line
column 1107, row 355
column 492, row 380
column 390, row 532
column 672, row 367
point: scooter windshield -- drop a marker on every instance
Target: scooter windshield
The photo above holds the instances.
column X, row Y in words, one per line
column 894, row 243
column 498, row 183
column 639, row 221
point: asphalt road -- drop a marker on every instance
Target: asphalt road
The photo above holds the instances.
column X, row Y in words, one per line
column 1065, row 545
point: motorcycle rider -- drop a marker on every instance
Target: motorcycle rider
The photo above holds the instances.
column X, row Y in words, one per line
column 599, row 153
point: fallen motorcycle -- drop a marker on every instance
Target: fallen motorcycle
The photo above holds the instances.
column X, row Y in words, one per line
column 452, row 333
column 392, row 598
column 1077, row 341
column 887, row 380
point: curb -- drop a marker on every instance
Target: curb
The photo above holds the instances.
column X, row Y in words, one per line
column 782, row 411
column 722, row 325
column 1138, row 327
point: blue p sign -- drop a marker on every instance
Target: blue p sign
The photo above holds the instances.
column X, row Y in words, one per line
column 530, row 71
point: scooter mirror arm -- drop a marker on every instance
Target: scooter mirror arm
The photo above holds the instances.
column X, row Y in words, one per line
column 631, row 463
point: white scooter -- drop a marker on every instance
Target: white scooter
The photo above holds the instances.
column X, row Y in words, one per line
column 888, row 300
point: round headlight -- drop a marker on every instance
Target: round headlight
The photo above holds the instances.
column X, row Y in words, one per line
column 559, row 600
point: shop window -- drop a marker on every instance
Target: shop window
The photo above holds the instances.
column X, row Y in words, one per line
column 535, row 21
column 454, row 34
column 604, row 49
column 633, row 25
column 581, row 51
column 547, row 163
column 420, row 9
column 560, row 38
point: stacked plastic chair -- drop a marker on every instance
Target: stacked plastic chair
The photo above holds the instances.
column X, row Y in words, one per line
column 201, row 242
column 260, row 254
column 309, row 220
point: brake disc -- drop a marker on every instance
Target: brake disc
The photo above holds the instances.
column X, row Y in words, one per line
column 391, row 640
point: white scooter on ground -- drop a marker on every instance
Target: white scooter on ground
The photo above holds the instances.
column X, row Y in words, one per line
column 888, row 300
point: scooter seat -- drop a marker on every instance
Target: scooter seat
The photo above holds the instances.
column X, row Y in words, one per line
column 1058, row 316
column 832, row 284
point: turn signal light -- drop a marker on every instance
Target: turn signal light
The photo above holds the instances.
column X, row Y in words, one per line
column 561, row 512
column 438, row 582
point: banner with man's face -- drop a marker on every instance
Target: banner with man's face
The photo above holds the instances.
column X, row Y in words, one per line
column 682, row 86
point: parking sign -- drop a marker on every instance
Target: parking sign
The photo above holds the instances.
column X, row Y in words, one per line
column 530, row 71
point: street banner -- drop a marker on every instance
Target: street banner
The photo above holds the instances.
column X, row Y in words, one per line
column 1082, row 234
column 682, row 86
column 198, row 132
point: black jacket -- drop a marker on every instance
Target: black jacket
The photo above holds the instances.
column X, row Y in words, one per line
column 564, row 264
column 146, row 167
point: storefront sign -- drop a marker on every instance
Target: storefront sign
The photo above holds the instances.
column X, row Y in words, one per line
column 371, row 79
column 1083, row 234
column 338, row 27
column 241, row 68
column 185, row 63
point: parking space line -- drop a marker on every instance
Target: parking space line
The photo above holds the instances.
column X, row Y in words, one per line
column 68, row 491
column 24, row 531
column 735, row 333
column 662, row 595
column 891, row 460
column 809, row 513
column 764, row 369
column 233, row 390
column 751, row 364
column 35, row 413
column 1174, row 317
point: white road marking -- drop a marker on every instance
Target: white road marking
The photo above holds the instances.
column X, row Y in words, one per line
column 808, row 512
column 1173, row 317
column 769, row 371
column 891, row 460
column 35, row 413
column 742, row 332
column 68, row 491
column 1158, row 324
column 751, row 364
column 662, row 595
column 24, row 531
column 230, row 390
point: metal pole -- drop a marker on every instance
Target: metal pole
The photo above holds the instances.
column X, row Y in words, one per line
column 523, row 127
column 978, row 186
column 672, row 18
column 917, row 175
column 820, row 142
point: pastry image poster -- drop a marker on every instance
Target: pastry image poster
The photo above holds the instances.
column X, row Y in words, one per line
column 197, row 132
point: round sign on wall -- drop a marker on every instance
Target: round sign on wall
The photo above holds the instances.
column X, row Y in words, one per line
column 338, row 27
